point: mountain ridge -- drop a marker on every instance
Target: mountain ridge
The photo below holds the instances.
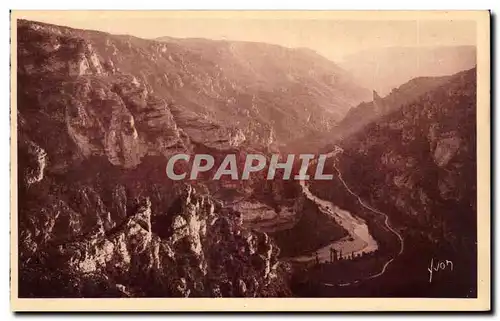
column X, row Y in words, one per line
column 248, row 97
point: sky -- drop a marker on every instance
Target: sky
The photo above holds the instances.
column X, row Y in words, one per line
column 333, row 36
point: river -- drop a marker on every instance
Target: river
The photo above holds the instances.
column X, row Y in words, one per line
column 359, row 239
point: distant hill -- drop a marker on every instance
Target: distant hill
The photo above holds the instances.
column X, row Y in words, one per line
column 366, row 112
column 387, row 68
column 273, row 91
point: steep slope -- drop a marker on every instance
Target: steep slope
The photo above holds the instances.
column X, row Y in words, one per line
column 192, row 248
column 286, row 87
column 418, row 165
column 97, row 215
column 367, row 112
column 387, row 68
column 240, row 92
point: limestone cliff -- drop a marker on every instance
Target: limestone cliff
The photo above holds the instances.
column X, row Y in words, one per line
column 97, row 214
column 195, row 248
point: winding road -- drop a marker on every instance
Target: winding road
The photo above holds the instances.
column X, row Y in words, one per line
column 386, row 223
column 359, row 239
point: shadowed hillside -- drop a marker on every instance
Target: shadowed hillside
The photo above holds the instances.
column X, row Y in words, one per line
column 418, row 165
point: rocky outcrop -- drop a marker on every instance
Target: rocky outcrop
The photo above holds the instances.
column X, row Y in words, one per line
column 37, row 161
column 194, row 249
column 446, row 148
column 368, row 112
column 378, row 104
column 119, row 119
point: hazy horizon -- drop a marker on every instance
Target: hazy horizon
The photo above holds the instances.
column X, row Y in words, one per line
column 354, row 36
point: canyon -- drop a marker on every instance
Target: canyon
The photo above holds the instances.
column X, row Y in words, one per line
column 108, row 208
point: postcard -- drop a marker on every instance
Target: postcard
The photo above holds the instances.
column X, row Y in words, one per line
column 250, row 161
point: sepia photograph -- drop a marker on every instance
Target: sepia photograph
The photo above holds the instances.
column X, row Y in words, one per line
column 327, row 160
